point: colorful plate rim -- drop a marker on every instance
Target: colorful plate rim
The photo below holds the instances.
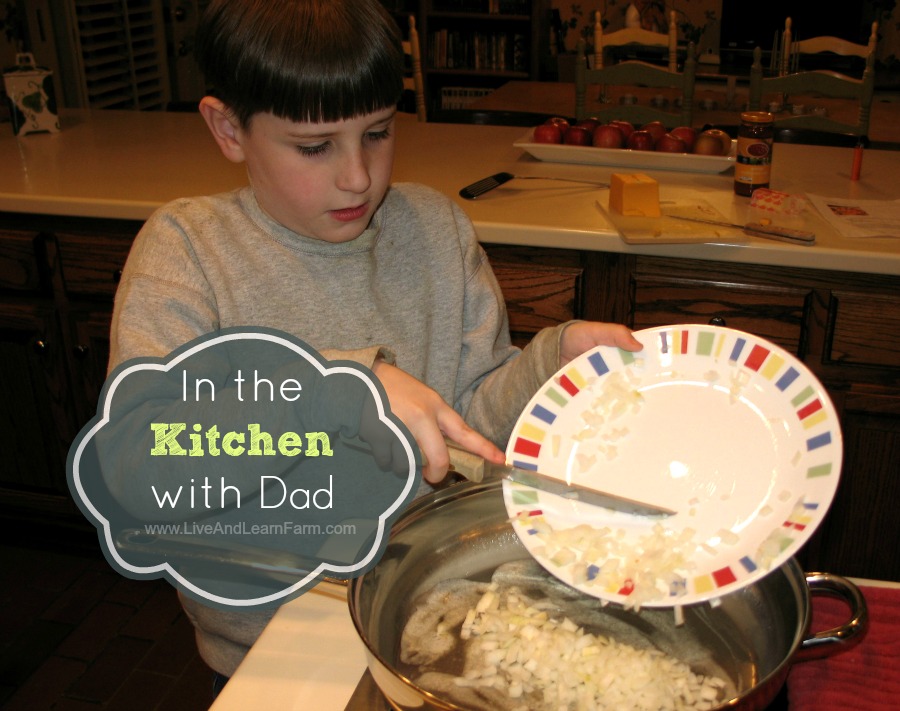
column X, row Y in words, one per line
column 759, row 358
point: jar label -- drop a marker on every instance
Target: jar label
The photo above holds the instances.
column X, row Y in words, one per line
column 753, row 161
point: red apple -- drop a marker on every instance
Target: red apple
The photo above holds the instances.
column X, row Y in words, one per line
column 578, row 136
column 723, row 137
column 670, row 144
column 609, row 136
column 640, row 140
column 626, row 126
column 655, row 128
column 589, row 123
column 559, row 121
column 707, row 145
column 686, row 134
column 547, row 133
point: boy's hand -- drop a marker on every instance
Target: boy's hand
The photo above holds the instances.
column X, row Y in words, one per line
column 430, row 419
column 582, row 336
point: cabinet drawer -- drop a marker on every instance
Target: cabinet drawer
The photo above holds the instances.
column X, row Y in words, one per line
column 773, row 313
column 537, row 296
column 19, row 266
column 91, row 265
column 866, row 329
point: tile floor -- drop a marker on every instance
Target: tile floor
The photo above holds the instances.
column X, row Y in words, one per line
column 77, row 636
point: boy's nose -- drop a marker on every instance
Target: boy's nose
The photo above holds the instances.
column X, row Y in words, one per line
column 354, row 174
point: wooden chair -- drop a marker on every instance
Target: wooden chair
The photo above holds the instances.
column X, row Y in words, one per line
column 820, row 82
column 634, row 73
column 791, row 49
column 636, row 36
column 414, row 82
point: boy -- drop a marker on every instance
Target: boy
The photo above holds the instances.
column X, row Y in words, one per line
column 321, row 246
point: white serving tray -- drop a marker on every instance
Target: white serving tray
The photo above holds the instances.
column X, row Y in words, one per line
column 625, row 157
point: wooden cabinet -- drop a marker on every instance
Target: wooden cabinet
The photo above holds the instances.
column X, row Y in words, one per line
column 36, row 408
column 541, row 287
column 56, row 289
column 846, row 328
column 58, row 277
column 704, row 292
column 36, row 418
column 89, row 262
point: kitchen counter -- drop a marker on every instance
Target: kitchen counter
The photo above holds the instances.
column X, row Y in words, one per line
column 122, row 164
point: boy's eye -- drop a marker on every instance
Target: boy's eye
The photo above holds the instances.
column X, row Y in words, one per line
column 378, row 135
column 315, row 150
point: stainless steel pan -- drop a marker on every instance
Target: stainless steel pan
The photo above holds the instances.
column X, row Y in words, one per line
column 754, row 634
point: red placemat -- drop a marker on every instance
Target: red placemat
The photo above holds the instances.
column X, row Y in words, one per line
column 865, row 677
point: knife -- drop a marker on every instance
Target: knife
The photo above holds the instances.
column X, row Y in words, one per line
column 784, row 234
column 476, row 469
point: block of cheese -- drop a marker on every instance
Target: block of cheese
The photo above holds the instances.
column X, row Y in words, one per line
column 634, row 194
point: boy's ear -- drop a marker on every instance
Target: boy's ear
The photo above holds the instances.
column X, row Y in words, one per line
column 224, row 128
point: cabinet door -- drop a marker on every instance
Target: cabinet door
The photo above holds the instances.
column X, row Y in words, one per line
column 540, row 288
column 667, row 293
column 860, row 533
column 36, row 404
column 90, row 328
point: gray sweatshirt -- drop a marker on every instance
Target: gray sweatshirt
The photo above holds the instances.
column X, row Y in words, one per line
column 415, row 288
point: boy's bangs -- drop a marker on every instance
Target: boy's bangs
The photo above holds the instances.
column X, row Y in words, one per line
column 301, row 60
column 336, row 89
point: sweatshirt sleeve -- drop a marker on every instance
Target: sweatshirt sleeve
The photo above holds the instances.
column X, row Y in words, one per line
column 496, row 379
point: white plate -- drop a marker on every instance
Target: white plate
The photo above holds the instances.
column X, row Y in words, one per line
column 731, row 431
column 625, row 157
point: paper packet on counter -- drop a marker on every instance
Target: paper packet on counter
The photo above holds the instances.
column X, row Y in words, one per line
column 775, row 207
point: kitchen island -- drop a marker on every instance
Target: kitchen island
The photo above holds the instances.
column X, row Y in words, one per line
column 71, row 202
column 123, row 165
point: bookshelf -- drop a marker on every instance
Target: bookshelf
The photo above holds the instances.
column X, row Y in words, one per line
column 470, row 47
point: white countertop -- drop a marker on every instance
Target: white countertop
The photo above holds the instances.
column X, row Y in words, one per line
column 124, row 164
column 308, row 657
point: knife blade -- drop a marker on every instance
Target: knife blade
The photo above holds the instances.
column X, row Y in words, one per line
column 476, row 469
column 783, row 234
column 575, row 492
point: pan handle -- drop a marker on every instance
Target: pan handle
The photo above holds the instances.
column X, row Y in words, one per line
column 843, row 637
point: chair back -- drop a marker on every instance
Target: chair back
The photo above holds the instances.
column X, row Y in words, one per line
column 413, row 81
column 636, row 36
column 634, row 73
column 792, row 48
column 820, row 82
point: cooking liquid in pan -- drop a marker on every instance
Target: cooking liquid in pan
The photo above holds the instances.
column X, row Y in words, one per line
column 426, row 642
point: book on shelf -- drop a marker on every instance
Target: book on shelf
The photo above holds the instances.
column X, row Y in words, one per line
column 480, row 51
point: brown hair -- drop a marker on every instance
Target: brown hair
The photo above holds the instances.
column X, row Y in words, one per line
column 301, row 60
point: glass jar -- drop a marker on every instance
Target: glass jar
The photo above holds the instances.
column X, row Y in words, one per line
column 753, row 163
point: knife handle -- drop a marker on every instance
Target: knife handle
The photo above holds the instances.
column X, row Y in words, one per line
column 469, row 466
column 464, row 463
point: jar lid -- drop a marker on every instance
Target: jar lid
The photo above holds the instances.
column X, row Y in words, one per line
column 757, row 117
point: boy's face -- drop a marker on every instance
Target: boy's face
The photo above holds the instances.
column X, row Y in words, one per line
column 321, row 180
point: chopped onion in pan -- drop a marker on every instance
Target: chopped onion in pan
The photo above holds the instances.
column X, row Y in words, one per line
column 550, row 663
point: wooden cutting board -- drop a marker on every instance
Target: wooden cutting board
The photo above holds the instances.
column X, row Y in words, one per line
column 667, row 230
